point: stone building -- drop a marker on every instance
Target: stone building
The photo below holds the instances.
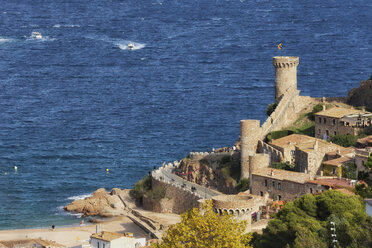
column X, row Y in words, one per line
column 241, row 206
column 361, row 158
column 280, row 184
column 334, row 161
column 338, row 120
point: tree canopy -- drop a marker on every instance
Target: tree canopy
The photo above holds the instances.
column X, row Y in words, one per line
column 306, row 222
column 200, row 228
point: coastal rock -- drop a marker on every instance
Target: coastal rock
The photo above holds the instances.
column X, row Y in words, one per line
column 362, row 95
column 103, row 204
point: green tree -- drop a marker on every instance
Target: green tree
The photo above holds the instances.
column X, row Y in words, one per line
column 270, row 108
column 306, row 222
column 200, row 228
column 344, row 140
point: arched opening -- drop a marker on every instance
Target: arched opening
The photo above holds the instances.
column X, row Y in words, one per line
column 231, row 211
column 237, row 212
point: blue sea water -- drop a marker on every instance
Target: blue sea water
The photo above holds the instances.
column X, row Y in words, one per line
column 77, row 101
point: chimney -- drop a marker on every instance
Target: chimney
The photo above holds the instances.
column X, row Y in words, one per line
column 363, row 109
column 324, row 107
column 316, row 145
column 272, row 173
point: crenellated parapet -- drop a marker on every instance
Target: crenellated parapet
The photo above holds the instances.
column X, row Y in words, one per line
column 285, row 75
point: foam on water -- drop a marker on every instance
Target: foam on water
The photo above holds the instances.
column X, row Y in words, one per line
column 5, row 40
column 79, row 197
column 65, row 26
column 123, row 45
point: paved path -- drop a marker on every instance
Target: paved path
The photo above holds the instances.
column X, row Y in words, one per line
column 165, row 174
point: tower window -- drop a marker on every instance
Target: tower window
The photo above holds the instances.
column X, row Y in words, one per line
column 265, row 182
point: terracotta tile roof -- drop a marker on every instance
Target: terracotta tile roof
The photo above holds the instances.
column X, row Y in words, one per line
column 332, row 182
column 106, row 236
column 338, row 112
column 365, row 140
column 293, row 139
column 292, row 176
column 338, row 161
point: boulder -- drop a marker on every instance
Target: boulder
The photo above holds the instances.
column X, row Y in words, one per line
column 103, row 204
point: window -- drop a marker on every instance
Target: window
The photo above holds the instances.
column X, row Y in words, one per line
column 334, row 172
column 279, row 197
column 362, row 162
column 324, row 120
column 293, row 152
column 103, row 245
column 335, row 132
column 265, row 182
column 273, row 183
column 319, row 131
column 97, row 244
column 334, row 121
column 327, row 132
column 279, row 186
column 261, row 193
column 311, row 190
column 320, row 119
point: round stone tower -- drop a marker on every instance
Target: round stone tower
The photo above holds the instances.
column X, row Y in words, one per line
column 285, row 75
column 256, row 163
column 249, row 135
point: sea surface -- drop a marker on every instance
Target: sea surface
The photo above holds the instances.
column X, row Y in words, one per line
column 78, row 102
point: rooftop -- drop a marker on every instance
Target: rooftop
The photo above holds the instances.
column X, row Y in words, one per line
column 333, row 182
column 348, row 152
column 338, row 112
column 293, row 139
column 106, row 236
column 309, row 146
column 292, row 176
column 337, row 161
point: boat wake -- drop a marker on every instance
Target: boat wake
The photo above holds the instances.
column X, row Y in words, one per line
column 5, row 40
column 129, row 45
column 65, row 26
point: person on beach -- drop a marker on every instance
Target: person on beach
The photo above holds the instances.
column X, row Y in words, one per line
column 53, row 227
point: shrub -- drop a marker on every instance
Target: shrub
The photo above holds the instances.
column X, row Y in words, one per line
column 344, row 140
column 349, row 171
column 283, row 166
column 279, row 134
column 243, row 185
column 141, row 187
column 156, row 194
column 270, row 108
column 317, row 108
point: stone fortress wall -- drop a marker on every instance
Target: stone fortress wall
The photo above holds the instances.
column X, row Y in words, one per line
column 289, row 106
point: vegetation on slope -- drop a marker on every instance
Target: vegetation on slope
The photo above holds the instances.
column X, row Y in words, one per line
column 144, row 188
column 307, row 222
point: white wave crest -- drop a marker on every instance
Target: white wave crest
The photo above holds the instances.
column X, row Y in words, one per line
column 79, row 197
column 5, row 40
column 123, row 45
column 65, row 26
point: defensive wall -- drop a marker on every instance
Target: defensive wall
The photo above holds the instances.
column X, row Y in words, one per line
column 180, row 195
column 289, row 105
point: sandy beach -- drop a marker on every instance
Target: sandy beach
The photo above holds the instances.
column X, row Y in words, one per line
column 75, row 236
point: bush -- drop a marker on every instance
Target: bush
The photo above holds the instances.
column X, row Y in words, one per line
column 279, row 134
column 141, row 187
column 243, row 185
column 344, row 140
column 283, row 166
column 317, row 108
column 349, row 171
column 156, row 194
column 270, row 108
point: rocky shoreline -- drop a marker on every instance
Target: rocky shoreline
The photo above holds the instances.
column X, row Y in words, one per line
column 117, row 202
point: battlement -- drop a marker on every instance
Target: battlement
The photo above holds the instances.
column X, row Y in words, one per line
column 285, row 75
column 285, row 61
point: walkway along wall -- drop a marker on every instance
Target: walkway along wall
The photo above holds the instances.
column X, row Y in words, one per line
column 177, row 200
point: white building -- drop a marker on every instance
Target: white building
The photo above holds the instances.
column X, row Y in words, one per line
column 115, row 240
